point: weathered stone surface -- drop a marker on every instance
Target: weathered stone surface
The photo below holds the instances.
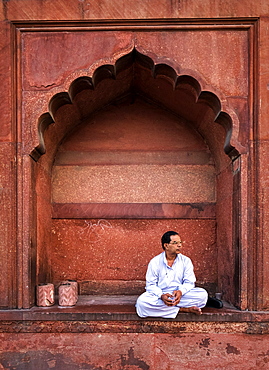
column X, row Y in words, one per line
column 132, row 350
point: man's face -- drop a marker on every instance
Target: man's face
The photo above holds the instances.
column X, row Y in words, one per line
column 174, row 246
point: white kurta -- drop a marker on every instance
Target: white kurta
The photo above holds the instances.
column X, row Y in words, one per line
column 161, row 279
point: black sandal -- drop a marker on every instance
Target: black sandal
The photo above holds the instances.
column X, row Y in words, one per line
column 214, row 302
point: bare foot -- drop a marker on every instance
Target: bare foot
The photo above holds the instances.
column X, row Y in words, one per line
column 193, row 309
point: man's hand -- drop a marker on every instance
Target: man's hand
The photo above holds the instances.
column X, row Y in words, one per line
column 168, row 299
column 177, row 296
column 172, row 299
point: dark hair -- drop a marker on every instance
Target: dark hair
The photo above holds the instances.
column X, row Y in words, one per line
column 166, row 237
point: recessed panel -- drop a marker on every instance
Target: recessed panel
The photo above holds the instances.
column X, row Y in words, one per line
column 101, row 249
column 133, row 184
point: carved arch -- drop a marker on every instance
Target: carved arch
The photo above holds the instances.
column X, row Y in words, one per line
column 130, row 75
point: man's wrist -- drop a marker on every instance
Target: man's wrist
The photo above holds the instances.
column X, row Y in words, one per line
column 181, row 291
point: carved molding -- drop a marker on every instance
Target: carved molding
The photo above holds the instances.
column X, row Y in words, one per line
column 215, row 324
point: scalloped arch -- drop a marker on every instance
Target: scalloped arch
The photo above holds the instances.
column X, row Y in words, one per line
column 185, row 85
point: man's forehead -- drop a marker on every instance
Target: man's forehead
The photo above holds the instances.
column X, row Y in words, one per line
column 174, row 237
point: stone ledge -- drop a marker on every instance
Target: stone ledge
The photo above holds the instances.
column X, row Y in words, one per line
column 114, row 314
column 123, row 325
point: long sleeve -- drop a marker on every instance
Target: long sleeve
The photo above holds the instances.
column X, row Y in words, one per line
column 188, row 280
column 152, row 279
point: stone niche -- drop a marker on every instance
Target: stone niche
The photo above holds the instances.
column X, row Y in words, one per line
column 125, row 155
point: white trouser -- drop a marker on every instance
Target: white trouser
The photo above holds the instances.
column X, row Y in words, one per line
column 149, row 304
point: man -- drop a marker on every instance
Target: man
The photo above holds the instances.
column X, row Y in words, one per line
column 170, row 283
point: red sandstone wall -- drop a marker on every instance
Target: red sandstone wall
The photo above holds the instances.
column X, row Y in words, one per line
column 121, row 249
column 134, row 351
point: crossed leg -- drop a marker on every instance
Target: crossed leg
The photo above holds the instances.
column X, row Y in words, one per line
column 149, row 305
column 193, row 301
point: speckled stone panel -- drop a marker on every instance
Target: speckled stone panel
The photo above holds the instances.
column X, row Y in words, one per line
column 141, row 184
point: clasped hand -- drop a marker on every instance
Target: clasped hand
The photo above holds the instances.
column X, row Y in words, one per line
column 172, row 299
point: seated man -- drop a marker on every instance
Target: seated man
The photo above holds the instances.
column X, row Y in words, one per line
column 170, row 284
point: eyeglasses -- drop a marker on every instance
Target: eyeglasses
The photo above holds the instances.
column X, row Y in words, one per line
column 175, row 242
